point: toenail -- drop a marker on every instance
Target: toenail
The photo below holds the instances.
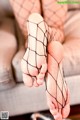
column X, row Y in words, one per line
column 54, row 112
column 57, row 116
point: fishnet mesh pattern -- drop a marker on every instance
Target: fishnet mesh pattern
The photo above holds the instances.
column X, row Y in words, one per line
column 54, row 13
column 55, row 34
column 43, row 42
column 53, row 17
column 22, row 9
column 60, row 104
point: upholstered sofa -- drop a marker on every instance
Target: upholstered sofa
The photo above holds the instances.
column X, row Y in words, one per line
column 15, row 97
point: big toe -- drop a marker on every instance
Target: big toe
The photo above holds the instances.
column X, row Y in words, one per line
column 41, row 75
column 40, row 78
column 27, row 80
column 66, row 111
column 56, row 114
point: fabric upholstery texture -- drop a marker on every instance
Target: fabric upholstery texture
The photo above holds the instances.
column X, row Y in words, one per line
column 5, row 8
column 74, row 6
column 8, row 47
column 71, row 45
column 16, row 62
column 22, row 100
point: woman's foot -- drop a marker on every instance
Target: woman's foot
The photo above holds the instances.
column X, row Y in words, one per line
column 34, row 64
column 56, row 88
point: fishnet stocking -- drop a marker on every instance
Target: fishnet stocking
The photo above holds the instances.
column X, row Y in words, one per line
column 35, row 57
column 22, row 9
column 55, row 15
column 54, row 18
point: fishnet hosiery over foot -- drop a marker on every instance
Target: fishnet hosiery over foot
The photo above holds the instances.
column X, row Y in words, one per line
column 56, row 88
column 34, row 64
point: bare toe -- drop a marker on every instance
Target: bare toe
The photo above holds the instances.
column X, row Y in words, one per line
column 41, row 75
column 27, row 80
column 58, row 116
column 66, row 109
column 40, row 79
column 43, row 68
column 35, row 82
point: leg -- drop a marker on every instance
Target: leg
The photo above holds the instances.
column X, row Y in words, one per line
column 56, row 88
column 22, row 9
column 55, row 16
column 34, row 63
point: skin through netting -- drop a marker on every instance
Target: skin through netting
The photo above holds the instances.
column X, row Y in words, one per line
column 60, row 105
column 22, row 9
column 44, row 43
column 54, row 14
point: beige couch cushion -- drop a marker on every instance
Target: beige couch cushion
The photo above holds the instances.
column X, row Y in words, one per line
column 8, row 47
column 71, row 63
column 74, row 6
column 17, row 65
column 5, row 8
column 16, row 62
